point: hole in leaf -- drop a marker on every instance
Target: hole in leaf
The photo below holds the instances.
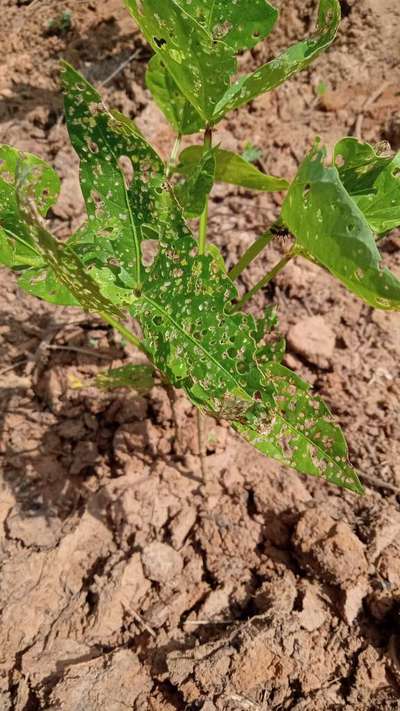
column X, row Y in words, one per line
column 159, row 41
column 7, row 177
column 97, row 199
column 396, row 172
column 340, row 161
column 126, row 166
column 150, row 249
column 95, row 107
column 93, row 147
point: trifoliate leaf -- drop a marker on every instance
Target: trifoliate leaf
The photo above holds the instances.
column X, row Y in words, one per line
column 331, row 229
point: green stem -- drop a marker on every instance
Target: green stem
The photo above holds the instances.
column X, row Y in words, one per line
column 204, row 217
column 128, row 335
column 252, row 252
column 266, row 279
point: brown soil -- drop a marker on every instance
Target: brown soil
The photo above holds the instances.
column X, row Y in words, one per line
column 121, row 586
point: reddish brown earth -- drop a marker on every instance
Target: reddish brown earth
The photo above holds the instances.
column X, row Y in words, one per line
column 122, row 586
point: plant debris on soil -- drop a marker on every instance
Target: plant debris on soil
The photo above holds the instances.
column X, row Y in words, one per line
column 122, row 586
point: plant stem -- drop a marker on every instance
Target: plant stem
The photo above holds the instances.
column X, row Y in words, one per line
column 204, row 217
column 128, row 335
column 173, row 157
column 266, row 279
column 250, row 254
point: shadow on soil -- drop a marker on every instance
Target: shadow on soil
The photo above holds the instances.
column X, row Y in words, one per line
column 92, row 54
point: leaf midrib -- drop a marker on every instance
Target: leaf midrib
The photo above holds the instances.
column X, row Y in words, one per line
column 137, row 248
column 196, row 343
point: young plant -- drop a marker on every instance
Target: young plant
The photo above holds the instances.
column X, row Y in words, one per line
column 194, row 330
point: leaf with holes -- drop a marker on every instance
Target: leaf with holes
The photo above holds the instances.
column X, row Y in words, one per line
column 17, row 249
column 62, row 277
column 240, row 24
column 167, row 95
column 301, row 433
column 373, row 181
column 298, row 57
column 135, row 377
column 43, row 283
column 331, row 229
column 121, row 175
column 200, row 65
column 136, row 256
column 192, row 193
column 233, row 169
column 93, row 243
column 217, row 358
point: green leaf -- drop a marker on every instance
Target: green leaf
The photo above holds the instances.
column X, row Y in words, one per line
column 114, row 192
column 193, row 192
column 197, row 40
column 63, row 278
column 179, row 112
column 372, row 180
column 231, row 168
column 64, row 270
column 93, row 243
column 293, row 60
column 218, row 357
column 16, row 247
column 302, row 434
column 240, row 24
column 134, row 377
column 271, row 344
column 359, row 165
column 200, row 65
column 44, row 284
column 331, row 229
